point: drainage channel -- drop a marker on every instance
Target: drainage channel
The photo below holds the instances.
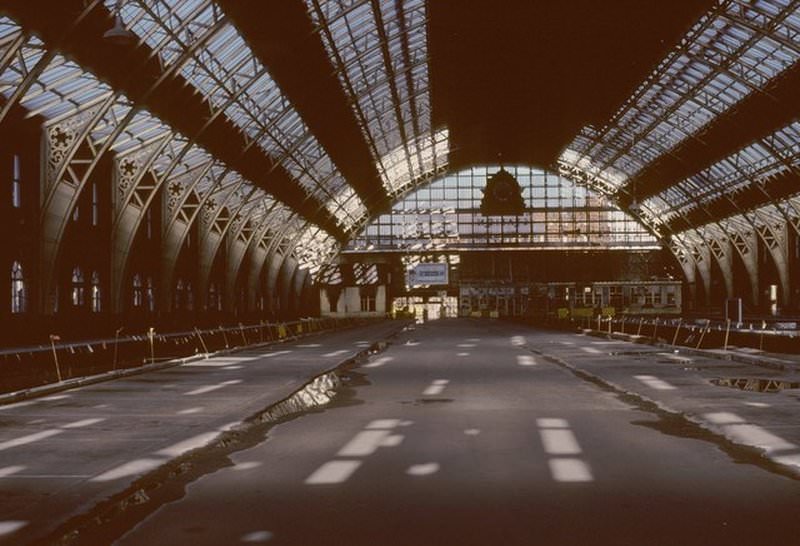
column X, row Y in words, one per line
column 110, row 519
column 676, row 424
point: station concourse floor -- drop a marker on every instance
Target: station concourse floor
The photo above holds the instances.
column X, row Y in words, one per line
column 459, row 431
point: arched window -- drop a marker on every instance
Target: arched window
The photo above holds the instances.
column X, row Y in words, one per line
column 138, row 293
column 179, row 295
column 97, row 296
column 16, row 183
column 18, row 300
column 78, row 289
column 151, row 295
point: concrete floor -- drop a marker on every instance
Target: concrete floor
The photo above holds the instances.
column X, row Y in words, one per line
column 461, row 432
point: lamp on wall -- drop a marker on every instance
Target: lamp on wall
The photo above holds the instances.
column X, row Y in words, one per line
column 118, row 34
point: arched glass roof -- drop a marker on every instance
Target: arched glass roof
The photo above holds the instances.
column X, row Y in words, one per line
column 379, row 50
column 731, row 52
column 379, row 54
column 445, row 215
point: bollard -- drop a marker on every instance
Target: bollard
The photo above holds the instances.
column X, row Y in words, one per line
column 678, row 329
column 224, row 336
column 202, row 341
column 609, row 325
column 241, row 331
column 623, row 325
column 655, row 330
column 53, row 339
column 639, row 331
column 727, row 333
column 703, row 334
column 151, row 335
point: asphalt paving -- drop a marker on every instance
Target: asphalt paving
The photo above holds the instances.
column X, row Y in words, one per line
column 481, row 432
column 450, row 432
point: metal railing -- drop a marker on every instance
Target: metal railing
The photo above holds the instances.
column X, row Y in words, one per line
column 22, row 368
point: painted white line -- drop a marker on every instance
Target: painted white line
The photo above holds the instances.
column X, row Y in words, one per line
column 654, row 382
column 11, row 526
column 9, row 470
column 221, row 362
column 436, row 387
column 724, row 418
column 789, row 460
column 472, row 431
column 425, row 469
column 552, row 422
column 249, row 465
column 570, row 470
column 364, row 443
column 466, row 345
column 131, row 468
column 276, row 353
column 378, row 362
column 29, row 439
column 433, row 390
column 526, row 360
column 210, row 388
column 189, row 411
column 517, row 341
column 412, row 343
column 393, row 440
column 55, row 397
column 559, row 442
column 189, row 444
column 758, row 404
column 333, row 472
column 591, row 350
column 473, row 339
column 83, row 423
column 566, row 343
column 462, row 354
column 19, row 405
column 380, row 424
column 234, row 367
column 738, row 429
column 309, row 346
column 676, row 358
column 335, row 353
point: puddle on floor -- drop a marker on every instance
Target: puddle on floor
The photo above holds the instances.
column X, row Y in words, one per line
column 755, row 384
column 109, row 520
column 677, row 424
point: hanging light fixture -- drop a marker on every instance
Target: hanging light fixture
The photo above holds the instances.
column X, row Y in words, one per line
column 118, row 34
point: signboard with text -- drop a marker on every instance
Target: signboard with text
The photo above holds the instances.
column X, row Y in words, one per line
column 428, row 274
